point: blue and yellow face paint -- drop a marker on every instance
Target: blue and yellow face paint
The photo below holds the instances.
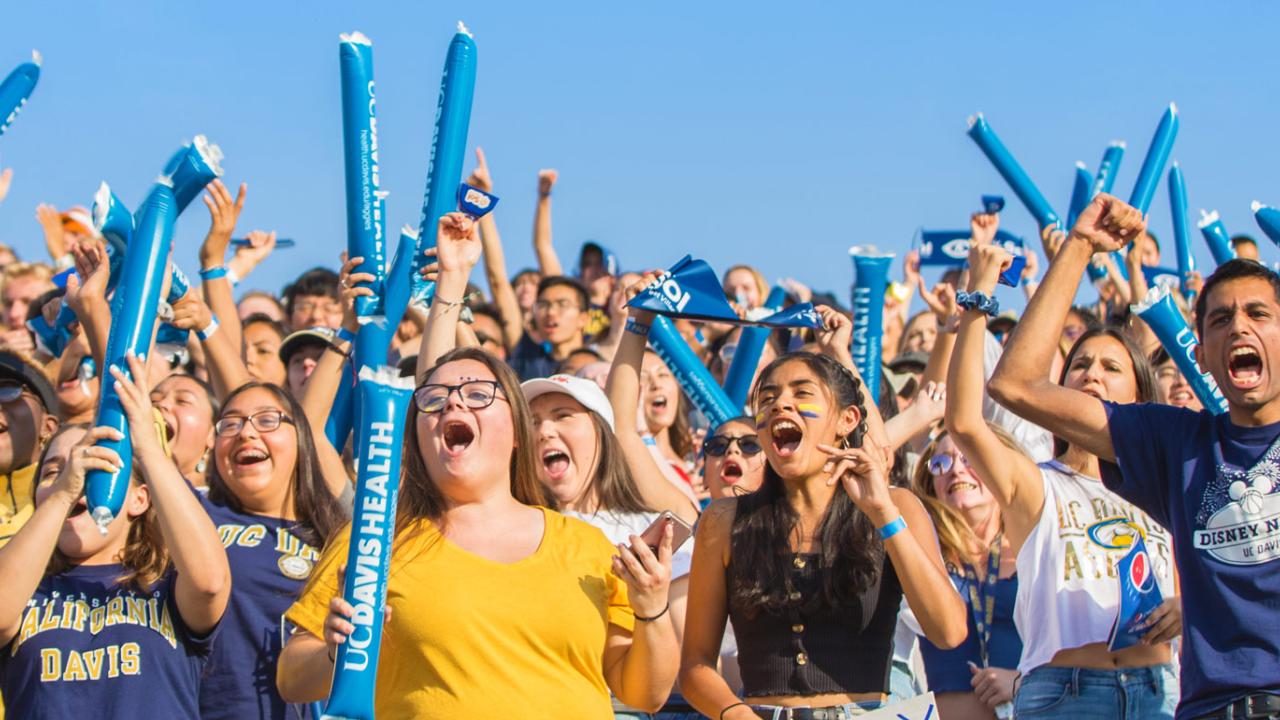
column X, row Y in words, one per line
column 809, row 410
column 760, row 421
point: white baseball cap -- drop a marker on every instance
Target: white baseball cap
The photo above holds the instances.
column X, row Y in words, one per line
column 586, row 392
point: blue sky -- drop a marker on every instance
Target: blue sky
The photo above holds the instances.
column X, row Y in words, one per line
column 777, row 134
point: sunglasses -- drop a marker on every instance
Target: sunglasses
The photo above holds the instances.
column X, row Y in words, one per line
column 942, row 464
column 718, row 445
column 10, row 391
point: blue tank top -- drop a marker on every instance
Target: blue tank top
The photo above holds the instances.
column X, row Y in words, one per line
column 88, row 647
column 948, row 670
column 269, row 566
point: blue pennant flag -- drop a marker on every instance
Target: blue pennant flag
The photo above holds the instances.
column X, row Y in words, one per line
column 691, row 290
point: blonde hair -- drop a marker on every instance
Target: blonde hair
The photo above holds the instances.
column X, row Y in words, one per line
column 14, row 271
column 960, row 545
column 761, row 284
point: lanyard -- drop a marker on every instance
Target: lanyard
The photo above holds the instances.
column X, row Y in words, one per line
column 982, row 598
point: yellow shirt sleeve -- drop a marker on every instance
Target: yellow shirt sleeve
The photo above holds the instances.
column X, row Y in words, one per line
column 619, row 612
column 312, row 606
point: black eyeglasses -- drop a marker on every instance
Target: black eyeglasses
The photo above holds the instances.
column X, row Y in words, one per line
column 11, row 391
column 942, row 463
column 264, row 421
column 718, row 445
column 475, row 394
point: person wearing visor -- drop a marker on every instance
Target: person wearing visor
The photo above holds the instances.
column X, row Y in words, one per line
column 300, row 352
column 28, row 418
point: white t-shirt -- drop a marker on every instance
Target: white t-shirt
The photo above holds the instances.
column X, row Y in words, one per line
column 619, row 527
column 1068, row 593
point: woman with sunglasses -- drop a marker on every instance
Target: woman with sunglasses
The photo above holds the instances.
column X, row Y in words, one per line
column 734, row 464
column 1065, row 529
column 499, row 606
column 114, row 624
column 274, row 511
column 811, row 568
column 974, row 680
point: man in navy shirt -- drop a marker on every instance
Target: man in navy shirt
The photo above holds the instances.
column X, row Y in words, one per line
column 1213, row 481
column 560, row 316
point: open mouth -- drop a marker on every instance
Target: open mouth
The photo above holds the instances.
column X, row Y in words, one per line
column 1181, row 398
column 556, row 463
column 730, row 472
column 251, row 456
column 80, row 508
column 659, row 403
column 961, row 486
column 786, row 436
column 458, row 436
column 1244, row 365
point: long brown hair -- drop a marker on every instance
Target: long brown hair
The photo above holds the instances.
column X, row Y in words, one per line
column 318, row 513
column 420, row 497
column 850, row 551
column 1143, row 376
column 144, row 556
column 613, row 484
column 960, row 546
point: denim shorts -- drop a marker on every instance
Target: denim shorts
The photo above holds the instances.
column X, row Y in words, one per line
column 1145, row 693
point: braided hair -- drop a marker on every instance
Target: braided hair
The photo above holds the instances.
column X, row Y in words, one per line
column 850, row 552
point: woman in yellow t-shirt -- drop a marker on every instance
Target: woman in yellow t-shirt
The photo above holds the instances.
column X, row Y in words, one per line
column 500, row 608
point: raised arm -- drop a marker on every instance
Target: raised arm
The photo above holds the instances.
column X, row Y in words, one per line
column 26, row 556
column 86, row 296
column 623, row 389
column 223, row 359
column 548, row 261
column 1010, row 476
column 203, row 576
column 223, row 215
column 1020, row 381
column 456, row 252
column 834, row 338
column 495, row 261
column 330, row 371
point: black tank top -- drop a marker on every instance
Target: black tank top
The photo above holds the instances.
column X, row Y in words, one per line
column 807, row 649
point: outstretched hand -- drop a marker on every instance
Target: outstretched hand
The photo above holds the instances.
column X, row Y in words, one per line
column 480, row 177
column 223, row 215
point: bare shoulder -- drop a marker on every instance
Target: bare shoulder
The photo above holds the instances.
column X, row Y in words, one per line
column 715, row 528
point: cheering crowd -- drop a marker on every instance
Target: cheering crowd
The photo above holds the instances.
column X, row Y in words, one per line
column 958, row 533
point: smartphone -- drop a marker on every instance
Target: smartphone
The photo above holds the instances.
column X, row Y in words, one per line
column 652, row 535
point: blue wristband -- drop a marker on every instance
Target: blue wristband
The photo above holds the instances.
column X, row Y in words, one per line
column 893, row 528
column 346, row 335
column 213, row 273
column 208, row 330
column 636, row 328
